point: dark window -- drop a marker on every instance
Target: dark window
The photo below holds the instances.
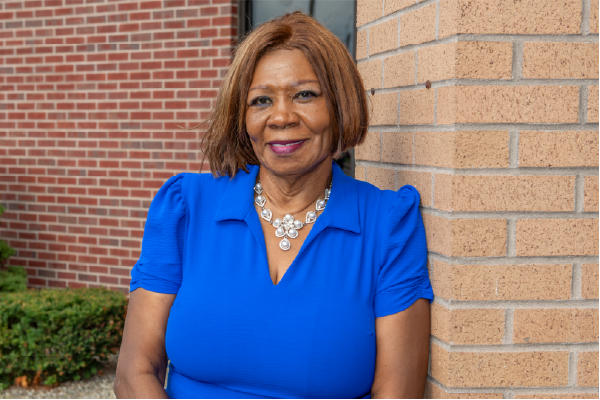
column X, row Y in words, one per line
column 338, row 16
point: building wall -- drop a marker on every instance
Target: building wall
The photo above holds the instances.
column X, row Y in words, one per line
column 90, row 96
column 490, row 109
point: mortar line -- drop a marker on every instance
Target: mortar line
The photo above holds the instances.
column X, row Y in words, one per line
column 576, row 281
column 416, row 66
column 432, row 190
column 584, row 96
column 518, row 60
column 513, row 148
column 516, row 304
column 585, row 16
column 485, row 127
column 508, row 326
column 414, row 148
column 503, row 260
column 513, row 348
column 511, row 237
column 579, row 192
column 437, row 20
column 520, row 215
column 572, row 374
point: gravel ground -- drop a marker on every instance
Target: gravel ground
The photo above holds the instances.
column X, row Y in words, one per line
column 97, row 387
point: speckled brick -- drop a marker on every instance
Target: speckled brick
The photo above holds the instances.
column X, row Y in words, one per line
column 509, row 17
column 383, row 178
column 465, row 60
column 564, row 325
column 592, row 108
column 438, row 232
column 370, row 149
column 418, row 26
column 463, row 149
column 547, row 60
column 594, row 17
column 557, row 237
column 467, row 326
column 420, row 180
column 384, row 108
column 383, row 37
column 360, row 173
column 557, row 396
column 558, row 149
column 589, row 281
column 590, row 190
column 397, row 5
column 499, row 369
column 501, row 282
column 397, row 147
column 504, row 193
column 399, row 70
column 368, row 10
column 361, row 45
column 432, row 391
column 587, row 368
column 417, row 106
column 508, row 104
column 370, row 73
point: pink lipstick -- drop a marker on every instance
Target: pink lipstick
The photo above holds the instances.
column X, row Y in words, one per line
column 285, row 147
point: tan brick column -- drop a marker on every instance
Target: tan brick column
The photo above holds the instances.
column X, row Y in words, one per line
column 490, row 109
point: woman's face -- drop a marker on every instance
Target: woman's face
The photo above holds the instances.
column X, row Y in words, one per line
column 287, row 118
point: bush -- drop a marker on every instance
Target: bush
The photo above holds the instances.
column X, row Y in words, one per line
column 49, row 336
column 13, row 279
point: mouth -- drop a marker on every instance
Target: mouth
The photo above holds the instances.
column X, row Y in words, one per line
column 285, row 147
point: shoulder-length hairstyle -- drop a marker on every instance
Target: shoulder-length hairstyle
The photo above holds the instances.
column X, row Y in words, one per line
column 226, row 143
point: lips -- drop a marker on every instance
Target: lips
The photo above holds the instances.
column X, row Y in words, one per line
column 285, row 147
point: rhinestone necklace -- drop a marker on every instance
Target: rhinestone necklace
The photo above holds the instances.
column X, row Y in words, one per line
column 288, row 227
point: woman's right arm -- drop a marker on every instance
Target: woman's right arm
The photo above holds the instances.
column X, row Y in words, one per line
column 142, row 364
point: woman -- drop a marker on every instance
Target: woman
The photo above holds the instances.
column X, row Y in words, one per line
column 279, row 276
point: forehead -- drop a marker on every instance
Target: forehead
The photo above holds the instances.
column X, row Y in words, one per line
column 283, row 68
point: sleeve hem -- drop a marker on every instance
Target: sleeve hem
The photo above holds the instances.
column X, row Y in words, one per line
column 400, row 306
column 152, row 288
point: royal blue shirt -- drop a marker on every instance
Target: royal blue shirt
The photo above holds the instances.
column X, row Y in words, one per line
column 232, row 333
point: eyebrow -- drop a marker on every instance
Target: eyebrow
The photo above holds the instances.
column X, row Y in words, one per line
column 293, row 84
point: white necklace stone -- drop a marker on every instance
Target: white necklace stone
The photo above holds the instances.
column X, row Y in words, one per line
column 288, row 226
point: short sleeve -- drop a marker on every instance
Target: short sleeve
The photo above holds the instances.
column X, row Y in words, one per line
column 403, row 277
column 159, row 268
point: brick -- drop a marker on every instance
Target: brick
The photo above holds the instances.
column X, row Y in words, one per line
column 499, row 369
column 466, row 237
column 589, row 281
column 465, row 60
column 594, row 17
column 417, row 106
column 508, row 104
column 383, row 37
column 399, row 70
column 557, row 396
column 587, row 368
column 590, row 190
column 397, row 5
column 501, row 282
column 544, row 60
column 370, row 149
column 384, row 108
column 563, row 325
column 504, row 193
column 557, row 237
column 467, row 326
column 592, row 108
column 361, row 45
column 432, row 391
column 397, row 147
column 368, row 10
column 558, row 149
column 418, row 26
column 463, row 149
column 527, row 17
column 420, row 181
column 383, row 178
column 360, row 173
column 371, row 74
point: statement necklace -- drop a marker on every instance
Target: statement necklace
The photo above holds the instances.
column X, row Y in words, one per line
column 288, row 227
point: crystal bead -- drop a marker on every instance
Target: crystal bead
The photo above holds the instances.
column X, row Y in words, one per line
column 321, row 204
column 284, row 244
column 297, row 224
column 260, row 200
column 288, row 218
column 266, row 214
column 327, row 193
column 258, row 188
column 277, row 223
column 310, row 217
column 292, row 233
column 279, row 232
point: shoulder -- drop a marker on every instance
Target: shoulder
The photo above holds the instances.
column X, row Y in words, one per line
column 385, row 201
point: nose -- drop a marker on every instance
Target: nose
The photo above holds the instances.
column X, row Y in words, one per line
column 283, row 115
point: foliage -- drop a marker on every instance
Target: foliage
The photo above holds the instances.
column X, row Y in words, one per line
column 5, row 250
column 49, row 336
column 13, row 279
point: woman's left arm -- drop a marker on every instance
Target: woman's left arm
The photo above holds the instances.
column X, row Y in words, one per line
column 402, row 353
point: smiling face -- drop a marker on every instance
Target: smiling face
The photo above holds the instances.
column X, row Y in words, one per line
column 287, row 118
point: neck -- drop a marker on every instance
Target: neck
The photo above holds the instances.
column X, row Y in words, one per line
column 290, row 194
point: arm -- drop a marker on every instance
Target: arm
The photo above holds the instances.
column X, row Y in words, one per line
column 142, row 364
column 402, row 353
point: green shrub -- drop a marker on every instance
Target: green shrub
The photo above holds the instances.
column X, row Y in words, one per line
column 52, row 336
column 13, row 279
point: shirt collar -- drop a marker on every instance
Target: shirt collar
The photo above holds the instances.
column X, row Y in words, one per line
column 341, row 211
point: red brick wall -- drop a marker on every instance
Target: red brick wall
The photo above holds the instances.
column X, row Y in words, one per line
column 91, row 92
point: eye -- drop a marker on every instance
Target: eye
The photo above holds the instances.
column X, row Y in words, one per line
column 305, row 95
column 260, row 101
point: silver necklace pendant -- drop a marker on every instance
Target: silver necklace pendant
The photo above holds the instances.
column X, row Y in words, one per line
column 288, row 226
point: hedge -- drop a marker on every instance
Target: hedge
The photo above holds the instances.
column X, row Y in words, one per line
column 51, row 336
column 13, row 279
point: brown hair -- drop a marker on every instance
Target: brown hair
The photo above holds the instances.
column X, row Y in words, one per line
column 226, row 143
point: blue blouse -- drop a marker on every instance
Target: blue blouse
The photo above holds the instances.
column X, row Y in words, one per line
column 232, row 333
